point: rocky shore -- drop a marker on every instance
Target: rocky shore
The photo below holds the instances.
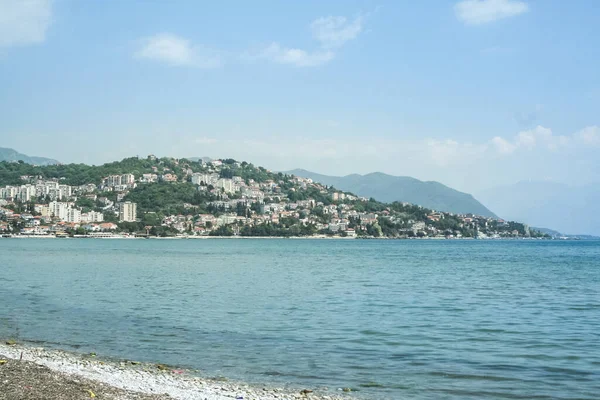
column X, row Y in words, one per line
column 36, row 373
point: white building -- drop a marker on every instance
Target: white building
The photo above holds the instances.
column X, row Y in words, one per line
column 26, row 192
column 58, row 210
column 149, row 178
column 226, row 184
column 127, row 212
column 208, row 179
column 64, row 192
column 73, row 215
column 9, row 192
column 44, row 210
column 92, row 216
column 226, row 219
column 127, row 179
column 112, row 180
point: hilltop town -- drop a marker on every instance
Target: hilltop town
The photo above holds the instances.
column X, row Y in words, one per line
column 167, row 197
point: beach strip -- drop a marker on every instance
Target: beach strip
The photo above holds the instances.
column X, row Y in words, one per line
column 29, row 372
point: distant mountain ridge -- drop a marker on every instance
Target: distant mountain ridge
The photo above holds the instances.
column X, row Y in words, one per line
column 389, row 188
column 7, row 154
column 572, row 210
column 196, row 159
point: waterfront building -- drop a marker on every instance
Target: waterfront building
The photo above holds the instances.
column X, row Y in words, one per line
column 127, row 212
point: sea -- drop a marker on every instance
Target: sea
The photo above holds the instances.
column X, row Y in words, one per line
column 390, row 319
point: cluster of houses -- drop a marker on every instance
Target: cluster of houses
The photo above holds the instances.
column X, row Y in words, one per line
column 241, row 202
column 54, row 208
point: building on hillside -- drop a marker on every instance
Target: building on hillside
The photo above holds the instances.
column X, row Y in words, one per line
column 58, row 210
column 9, row 192
column 148, row 178
column 207, row 179
column 127, row 211
column 92, row 216
column 64, row 192
column 226, row 184
column 169, row 178
column 73, row 215
column 127, row 179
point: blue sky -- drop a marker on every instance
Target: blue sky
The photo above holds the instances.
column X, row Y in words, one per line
column 470, row 93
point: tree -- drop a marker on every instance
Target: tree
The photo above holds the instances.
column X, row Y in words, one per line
column 224, row 230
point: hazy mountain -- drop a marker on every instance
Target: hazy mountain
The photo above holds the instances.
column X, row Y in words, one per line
column 568, row 209
column 388, row 188
column 196, row 159
column 13, row 155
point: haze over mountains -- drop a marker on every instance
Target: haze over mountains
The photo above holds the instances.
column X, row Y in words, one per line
column 568, row 209
column 388, row 188
column 7, row 154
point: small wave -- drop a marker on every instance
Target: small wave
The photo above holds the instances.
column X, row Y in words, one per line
column 494, row 378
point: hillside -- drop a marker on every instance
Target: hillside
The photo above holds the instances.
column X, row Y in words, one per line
column 573, row 210
column 7, row 154
column 169, row 196
column 388, row 188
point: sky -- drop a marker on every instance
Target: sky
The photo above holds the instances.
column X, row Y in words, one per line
column 472, row 93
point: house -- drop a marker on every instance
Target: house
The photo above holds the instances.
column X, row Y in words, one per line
column 169, row 178
column 108, row 226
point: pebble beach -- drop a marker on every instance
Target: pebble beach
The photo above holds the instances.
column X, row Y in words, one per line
column 37, row 373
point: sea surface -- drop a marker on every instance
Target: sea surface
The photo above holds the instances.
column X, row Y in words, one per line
column 391, row 319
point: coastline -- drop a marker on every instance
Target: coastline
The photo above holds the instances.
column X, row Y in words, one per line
column 320, row 237
column 127, row 379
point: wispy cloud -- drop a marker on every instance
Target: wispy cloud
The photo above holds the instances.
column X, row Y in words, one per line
column 331, row 33
column 543, row 139
column 478, row 12
column 177, row 51
column 437, row 152
column 503, row 146
column 298, row 57
column 24, row 22
column 590, row 135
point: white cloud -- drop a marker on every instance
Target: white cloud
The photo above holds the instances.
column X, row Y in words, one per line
column 589, row 136
column 477, row 12
column 24, row 22
column 431, row 152
column 331, row 33
column 177, row 51
column 542, row 138
column 529, row 139
column 297, row 57
column 335, row 31
column 503, row 146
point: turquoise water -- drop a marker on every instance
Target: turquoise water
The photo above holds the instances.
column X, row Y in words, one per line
column 394, row 319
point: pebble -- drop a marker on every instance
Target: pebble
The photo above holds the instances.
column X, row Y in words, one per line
column 138, row 377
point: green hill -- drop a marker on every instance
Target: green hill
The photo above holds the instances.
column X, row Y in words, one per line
column 388, row 188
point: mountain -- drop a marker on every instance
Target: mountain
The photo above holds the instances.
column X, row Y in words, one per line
column 388, row 188
column 196, row 159
column 7, row 154
column 573, row 210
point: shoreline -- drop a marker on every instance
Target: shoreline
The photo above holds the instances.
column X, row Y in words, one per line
column 128, row 378
column 123, row 237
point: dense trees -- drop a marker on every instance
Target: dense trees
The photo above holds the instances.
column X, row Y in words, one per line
column 279, row 230
column 79, row 174
column 169, row 198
